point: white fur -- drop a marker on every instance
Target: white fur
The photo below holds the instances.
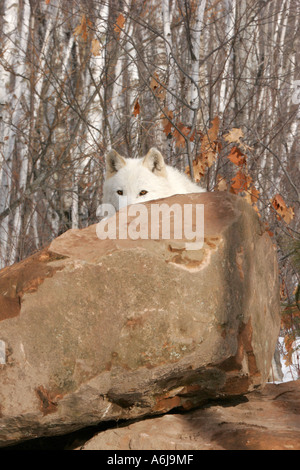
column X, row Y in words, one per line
column 150, row 173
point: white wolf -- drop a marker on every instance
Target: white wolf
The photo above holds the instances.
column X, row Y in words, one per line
column 142, row 179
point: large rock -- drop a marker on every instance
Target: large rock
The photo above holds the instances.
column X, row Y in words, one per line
column 97, row 330
column 267, row 420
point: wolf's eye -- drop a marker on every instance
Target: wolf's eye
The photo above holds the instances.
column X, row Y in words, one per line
column 143, row 192
column 120, row 192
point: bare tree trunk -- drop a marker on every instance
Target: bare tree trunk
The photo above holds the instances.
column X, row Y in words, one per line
column 14, row 109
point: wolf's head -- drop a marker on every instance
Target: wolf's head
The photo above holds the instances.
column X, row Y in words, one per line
column 135, row 180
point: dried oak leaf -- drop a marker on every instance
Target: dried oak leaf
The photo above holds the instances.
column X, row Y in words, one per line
column 235, row 135
column 212, row 134
column 209, row 144
column 136, row 108
column 221, row 184
column 284, row 212
column 237, row 157
column 119, row 24
column 179, row 133
column 240, row 182
column 199, row 169
column 167, row 121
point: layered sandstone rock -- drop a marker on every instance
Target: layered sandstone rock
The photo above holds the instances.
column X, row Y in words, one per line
column 96, row 330
column 265, row 420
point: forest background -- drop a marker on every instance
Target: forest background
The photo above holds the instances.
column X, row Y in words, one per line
column 214, row 84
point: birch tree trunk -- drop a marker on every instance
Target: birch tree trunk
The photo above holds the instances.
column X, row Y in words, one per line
column 226, row 80
column 195, row 99
column 14, row 107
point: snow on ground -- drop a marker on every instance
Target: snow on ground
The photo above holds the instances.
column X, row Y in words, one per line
column 290, row 372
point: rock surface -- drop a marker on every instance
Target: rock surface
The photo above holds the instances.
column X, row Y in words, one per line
column 269, row 420
column 98, row 330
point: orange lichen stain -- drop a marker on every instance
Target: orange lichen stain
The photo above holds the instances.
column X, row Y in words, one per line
column 185, row 397
column 24, row 277
column 190, row 389
column 48, row 400
column 9, row 307
column 165, row 404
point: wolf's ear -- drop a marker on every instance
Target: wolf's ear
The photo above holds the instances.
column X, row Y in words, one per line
column 114, row 162
column 154, row 161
